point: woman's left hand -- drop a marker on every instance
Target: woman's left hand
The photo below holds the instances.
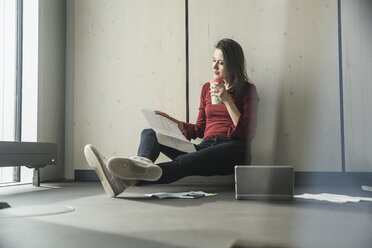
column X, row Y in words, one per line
column 218, row 89
column 179, row 123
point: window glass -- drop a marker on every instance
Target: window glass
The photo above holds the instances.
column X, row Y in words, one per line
column 7, row 78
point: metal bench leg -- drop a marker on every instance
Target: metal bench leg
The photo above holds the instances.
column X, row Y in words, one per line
column 36, row 178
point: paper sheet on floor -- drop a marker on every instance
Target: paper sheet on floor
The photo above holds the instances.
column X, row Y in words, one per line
column 167, row 131
column 333, row 197
column 186, row 195
column 366, row 188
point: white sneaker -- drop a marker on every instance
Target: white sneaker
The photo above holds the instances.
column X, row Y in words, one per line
column 134, row 168
column 112, row 185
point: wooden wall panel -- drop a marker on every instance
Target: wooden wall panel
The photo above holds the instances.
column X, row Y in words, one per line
column 292, row 56
column 357, row 71
column 127, row 54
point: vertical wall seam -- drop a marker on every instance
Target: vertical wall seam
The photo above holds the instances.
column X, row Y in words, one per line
column 342, row 127
column 187, row 58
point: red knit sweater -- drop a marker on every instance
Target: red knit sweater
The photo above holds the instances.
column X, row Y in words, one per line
column 214, row 120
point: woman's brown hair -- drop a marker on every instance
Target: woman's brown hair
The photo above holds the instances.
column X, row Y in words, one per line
column 234, row 62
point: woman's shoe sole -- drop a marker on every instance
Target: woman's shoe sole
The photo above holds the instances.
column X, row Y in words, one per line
column 130, row 169
column 95, row 161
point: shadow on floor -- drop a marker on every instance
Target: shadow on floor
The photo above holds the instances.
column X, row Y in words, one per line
column 39, row 234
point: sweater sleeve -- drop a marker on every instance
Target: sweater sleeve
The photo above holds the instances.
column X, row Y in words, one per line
column 247, row 123
column 193, row 131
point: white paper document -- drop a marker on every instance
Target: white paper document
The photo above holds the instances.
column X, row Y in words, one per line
column 333, row 197
column 366, row 188
column 185, row 195
column 167, row 131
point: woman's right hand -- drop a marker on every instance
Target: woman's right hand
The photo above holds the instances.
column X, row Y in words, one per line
column 179, row 123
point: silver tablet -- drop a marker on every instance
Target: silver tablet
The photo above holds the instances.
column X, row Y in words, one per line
column 262, row 182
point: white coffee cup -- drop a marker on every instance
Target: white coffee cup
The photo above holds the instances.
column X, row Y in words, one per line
column 215, row 99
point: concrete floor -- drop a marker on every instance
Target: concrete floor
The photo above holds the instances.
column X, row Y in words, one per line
column 217, row 221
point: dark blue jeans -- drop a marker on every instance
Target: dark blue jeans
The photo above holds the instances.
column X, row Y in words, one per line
column 213, row 156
